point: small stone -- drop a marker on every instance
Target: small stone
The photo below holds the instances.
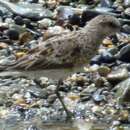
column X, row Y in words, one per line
column 127, row 12
column 116, row 123
column 74, row 20
column 124, row 115
column 73, row 96
column 20, row 54
column 89, row 90
column 100, row 82
column 98, row 97
column 45, row 23
column 13, row 34
column 107, row 57
column 124, row 54
column 64, row 12
column 51, row 89
column 106, row 3
column 123, row 91
column 96, row 60
column 92, row 68
column 126, row 29
column 107, row 42
column 43, row 81
column 18, row 20
column 104, row 70
column 33, row 1
column 118, row 75
column 127, row 3
column 51, row 98
column 3, row 45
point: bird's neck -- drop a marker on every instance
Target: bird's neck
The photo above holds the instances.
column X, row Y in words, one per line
column 94, row 35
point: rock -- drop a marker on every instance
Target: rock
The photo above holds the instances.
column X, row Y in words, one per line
column 43, row 81
column 3, row 45
column 126, row 29
column 104, row 70
column 44, row 23
column 32, row 127
column 99, row 82
column 89, row 2
column 88, row 15
column 103, row 9
column 51, row 89
column 96, row 60
column 127, row 12
column 127, row 3
column 124, row 116
column 13, row 34
column 74, row 20
column 107, row 57
column 105, row 3
column 123, row 91
column 18, row 20
column 51, row 98
column 124, row 54
column 89, row 90
column 113, row 50
column 63, row 12
column 33, row 1
column 27, row 10
column 118, row 75
column 98, row 97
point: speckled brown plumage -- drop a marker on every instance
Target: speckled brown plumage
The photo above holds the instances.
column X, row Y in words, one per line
column 72, row 49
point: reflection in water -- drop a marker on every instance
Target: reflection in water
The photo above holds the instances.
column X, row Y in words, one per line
column 50, row 73
column 38, row 125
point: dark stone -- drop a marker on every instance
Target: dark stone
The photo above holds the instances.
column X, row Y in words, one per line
column 107, row 57
column 123, row 91
column 126, row 29
column 87, row 15
column 114, row 39
column 74, row 20
column 33, row 1
column 13, row 34
column 105, row 3
column 96, row 60
column 19, row 20
column 28, row 24
column 98, row 97
column 124, row 54
column 122, row 45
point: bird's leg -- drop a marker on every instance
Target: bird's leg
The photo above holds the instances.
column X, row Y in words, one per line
column 68, row 113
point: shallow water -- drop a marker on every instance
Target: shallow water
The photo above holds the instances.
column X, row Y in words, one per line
column 50, row 73
column 37, row 125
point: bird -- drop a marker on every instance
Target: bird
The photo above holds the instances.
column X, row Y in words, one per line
column 69, row 50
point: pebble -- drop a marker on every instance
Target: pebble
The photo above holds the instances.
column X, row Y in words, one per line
column 123, row 91
column 127, row 3
column 118, row 75
column 127, row 12
column 124, row 54
column 126, row 29
column 107, row 57
column 64, row 12
column 104, row 70
column 13, row 34
column 18, row 20
column 44, row 23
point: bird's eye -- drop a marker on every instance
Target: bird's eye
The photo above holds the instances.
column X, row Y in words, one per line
column 113, row 25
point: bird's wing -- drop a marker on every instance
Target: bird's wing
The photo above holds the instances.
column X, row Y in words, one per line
column 58, row 51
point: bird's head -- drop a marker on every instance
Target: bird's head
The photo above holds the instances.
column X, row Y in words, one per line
column 104, row 25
